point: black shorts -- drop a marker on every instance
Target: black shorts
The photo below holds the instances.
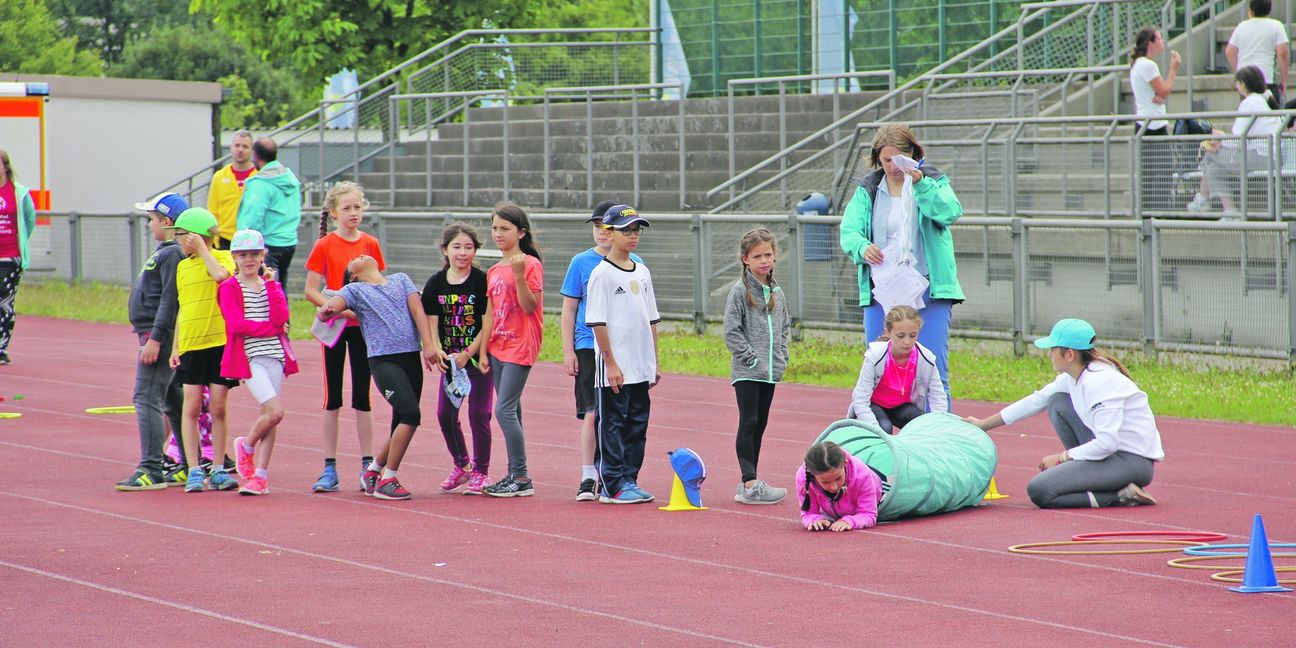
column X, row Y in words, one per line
column 586, row 395
column 202, row 367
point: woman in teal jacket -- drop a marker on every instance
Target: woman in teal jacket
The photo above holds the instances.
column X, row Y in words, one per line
column 17, row 218
column 867, row 227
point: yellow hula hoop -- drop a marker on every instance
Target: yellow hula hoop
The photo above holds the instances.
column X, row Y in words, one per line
column 117, row 409
column 1183, row 562
column 1028, row 548
column 7, row 415
column 1231, row 575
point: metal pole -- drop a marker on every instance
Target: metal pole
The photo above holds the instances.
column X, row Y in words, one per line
column 634, row 132
column 506, row 146
column 1291, row 302
column 467, row 130
column 545, row 113
column 732, row 146
column 782, row 112
column 74, row 245
column 1019, row 286
column 132, row 230
column 391, row 166
column 892, row 50
column 800, row 41
column 1148, row 281
column 427, row 147
column 940, row 30
column 589, row 148
column 756, row 24
column 699, row 270
column 683, row 182
column 320, row 128
column 715, row 48
column 795, row 301
column 1188, row 50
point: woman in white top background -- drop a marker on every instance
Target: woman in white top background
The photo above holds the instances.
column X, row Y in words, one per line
column 1150, row 94
column 1103, row 420
column 1221, row 162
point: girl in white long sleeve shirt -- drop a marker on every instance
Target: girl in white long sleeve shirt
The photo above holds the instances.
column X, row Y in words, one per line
column 1103, row 420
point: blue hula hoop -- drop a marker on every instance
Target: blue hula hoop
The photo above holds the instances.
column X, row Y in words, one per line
column 1207, row 550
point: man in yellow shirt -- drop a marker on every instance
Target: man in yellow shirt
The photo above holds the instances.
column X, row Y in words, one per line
column 227, row 186
column 199, row 342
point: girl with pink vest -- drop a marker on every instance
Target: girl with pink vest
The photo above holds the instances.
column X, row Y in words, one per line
column 256, row 351
column 898, row 381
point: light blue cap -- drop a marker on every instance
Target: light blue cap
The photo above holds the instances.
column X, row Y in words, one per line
column 1069, row 333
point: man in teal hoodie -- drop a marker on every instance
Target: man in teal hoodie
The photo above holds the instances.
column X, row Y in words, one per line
column 271, row 205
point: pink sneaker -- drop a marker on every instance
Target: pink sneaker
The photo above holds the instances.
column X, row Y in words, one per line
column 254, row 486
column 458, row 477
column 370, row 480
column 244, row 463
column 476, row 483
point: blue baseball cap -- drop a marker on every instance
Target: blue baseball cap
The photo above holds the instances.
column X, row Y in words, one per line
column 620, row 217
column 168, row 204
column 691, row 471
column 1069, row 333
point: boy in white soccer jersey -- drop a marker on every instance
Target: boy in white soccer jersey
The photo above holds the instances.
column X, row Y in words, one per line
column 622, row 313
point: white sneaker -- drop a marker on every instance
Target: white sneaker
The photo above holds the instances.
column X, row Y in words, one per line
column 1199, row 203
column 1231, row 215
column 1133, row 495
column 759, row 493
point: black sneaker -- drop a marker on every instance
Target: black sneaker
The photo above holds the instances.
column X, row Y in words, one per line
column 587, row 491
column 177, row 477
column 509, row 487
column 4, row 358
column 142, row 480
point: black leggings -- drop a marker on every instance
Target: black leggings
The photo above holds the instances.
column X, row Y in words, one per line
column 754, row 400
column 399, row 378
column 352, row 343
column 890, row 418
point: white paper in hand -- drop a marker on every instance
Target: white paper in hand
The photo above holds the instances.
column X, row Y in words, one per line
column 328, row 332
column 895, row 281
column 904, row 163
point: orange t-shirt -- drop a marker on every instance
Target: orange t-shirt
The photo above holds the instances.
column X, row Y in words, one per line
column 516, row 336
column 331, row 254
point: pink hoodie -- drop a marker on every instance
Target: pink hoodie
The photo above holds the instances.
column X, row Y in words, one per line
column 857, row 505
column 234, row 363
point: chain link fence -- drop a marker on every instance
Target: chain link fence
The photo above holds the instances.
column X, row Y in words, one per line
column 1213, row 287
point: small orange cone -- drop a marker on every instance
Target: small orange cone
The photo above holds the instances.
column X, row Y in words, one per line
column 679, row 500
column 993, row 493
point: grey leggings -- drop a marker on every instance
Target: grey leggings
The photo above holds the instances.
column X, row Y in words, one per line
column 509, row 380
column 1084, row 484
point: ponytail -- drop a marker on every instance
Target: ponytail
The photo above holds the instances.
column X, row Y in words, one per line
column 1141, row 40
column 1088, row 356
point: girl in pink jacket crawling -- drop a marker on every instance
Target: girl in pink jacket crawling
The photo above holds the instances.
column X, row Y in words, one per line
column 256, row 351
column 843, row 493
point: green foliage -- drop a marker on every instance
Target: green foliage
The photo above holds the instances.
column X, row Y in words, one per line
column 316, row 38
column 32, row 43
column 259, row 94
column 103, row 26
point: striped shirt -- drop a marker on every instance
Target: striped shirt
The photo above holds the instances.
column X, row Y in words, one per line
column 256, row 308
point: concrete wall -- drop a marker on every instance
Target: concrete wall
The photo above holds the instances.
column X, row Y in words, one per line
column 113, row 142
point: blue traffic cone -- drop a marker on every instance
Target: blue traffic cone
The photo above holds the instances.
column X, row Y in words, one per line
column 1259, row 575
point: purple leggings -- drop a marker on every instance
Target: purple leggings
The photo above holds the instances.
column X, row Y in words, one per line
column 479, row 417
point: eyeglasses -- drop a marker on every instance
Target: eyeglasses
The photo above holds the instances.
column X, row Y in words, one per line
column 634, row 231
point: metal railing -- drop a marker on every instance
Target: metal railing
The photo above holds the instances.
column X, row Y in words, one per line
column 841, row 79
column 1061, row 166
column 429, row 124
column 587, row 94
column 1151, row 284
column 454, row 65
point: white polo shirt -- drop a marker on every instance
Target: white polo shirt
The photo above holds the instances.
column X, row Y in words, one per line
column 623, row 301
column 1109, row 404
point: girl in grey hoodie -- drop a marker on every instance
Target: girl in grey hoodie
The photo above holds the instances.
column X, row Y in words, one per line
column 756, row 329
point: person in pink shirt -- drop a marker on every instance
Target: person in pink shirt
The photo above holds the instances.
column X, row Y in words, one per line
column 256, row 351
column 898, row 381
column 838, row 491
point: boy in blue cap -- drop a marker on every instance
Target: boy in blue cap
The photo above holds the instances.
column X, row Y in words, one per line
column 622, row 312
column 153, row 318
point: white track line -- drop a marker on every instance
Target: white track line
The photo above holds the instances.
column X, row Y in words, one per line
column 172, row 604
column 392, row 572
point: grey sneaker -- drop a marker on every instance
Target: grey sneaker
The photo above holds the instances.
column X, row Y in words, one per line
column 1133, row 495
column 760, row 493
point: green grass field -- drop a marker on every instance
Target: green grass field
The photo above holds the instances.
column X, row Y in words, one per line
column 1239, row 390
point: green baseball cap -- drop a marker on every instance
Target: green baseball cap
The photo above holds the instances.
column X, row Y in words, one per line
column 1069, row 333
column 197, row 220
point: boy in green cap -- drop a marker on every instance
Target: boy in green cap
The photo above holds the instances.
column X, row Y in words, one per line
column 199, row 342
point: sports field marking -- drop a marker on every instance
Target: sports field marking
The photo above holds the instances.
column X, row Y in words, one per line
column 172, row 604
column 394, row 572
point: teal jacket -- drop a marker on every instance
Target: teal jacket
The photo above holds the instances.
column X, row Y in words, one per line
column 938, row 208
column 26, row 220
column 271, row 205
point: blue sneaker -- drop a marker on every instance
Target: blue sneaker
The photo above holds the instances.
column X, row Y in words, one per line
column 627, row 495
column 643, row 494
column 197, row 481
column 327, row 482
column 221, row 481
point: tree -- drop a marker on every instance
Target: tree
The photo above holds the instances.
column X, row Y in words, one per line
column 316, row 38
column 30, row 42
column 259, row 94
column 105, row 26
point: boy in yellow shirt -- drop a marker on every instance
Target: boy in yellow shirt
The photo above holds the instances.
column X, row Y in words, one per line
column 199, row 342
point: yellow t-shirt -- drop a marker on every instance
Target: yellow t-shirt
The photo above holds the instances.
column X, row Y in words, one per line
column 199, row 324
column 223, row 199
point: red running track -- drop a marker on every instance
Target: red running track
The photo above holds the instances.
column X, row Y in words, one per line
column 79, row 560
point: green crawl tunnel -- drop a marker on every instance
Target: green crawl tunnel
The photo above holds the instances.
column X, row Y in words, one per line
column 938, row 463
